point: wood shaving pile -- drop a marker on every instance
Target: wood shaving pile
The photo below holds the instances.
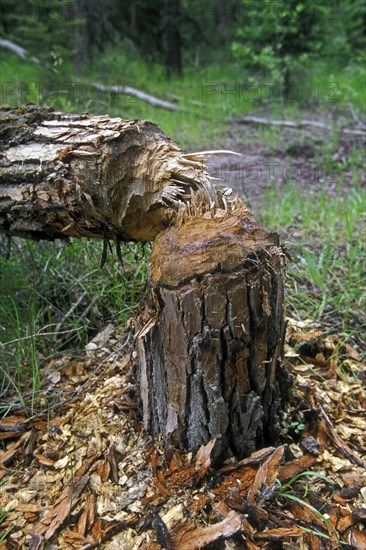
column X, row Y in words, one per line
column 90, row 477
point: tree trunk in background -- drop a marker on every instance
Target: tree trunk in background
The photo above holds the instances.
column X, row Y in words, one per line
column 211, row 347
column 90, row 176
column 81, row 33
column 221, row 17
column 173, row 56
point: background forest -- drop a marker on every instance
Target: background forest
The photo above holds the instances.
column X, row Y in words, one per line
column 229, row 55
column 216, row 61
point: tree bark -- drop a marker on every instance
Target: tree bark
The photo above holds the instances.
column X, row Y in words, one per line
column 210, row 350
column 91, row 176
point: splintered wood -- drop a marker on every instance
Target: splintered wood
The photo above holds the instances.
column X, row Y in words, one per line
column 211, row 350
column 210, row 366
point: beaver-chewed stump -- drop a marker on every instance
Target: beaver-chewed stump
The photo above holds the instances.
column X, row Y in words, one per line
column 210, row 347
column 210, row 357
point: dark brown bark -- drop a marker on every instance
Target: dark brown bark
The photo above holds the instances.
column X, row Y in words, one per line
column 211, row 350
column 90, row 176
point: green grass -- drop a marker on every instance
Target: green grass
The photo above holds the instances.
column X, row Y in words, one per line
column 339, row 86
column 298, row 489
column 324, row 234
column 5, row 533
column 56, row 297
column 210, row 95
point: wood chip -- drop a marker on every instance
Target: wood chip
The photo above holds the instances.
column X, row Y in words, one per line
column 279, row 534
column 189, row 537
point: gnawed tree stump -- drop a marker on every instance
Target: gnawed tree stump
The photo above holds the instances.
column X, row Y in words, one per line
column 211, row 348
column 211, row 351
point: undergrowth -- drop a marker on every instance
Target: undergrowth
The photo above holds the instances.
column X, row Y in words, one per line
column 324, row 234
column 210, row 95
column 55, row 297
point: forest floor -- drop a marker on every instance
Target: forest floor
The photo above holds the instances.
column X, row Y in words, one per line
column 272, row 157
column 91, row 477
column 86, row 475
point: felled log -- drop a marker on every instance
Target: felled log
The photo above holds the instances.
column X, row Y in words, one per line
column 210, row 350
column 66, row 175
column 18, row 50
column 260, row 121
column 134, row 92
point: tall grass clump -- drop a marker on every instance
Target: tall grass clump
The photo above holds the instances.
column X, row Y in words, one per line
column 54, row 298
column 324, row 235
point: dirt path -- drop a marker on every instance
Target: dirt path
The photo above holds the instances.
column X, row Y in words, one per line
column 309, row 158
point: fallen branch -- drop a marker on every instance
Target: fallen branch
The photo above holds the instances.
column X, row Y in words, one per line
column 340, row 444
column 296, row 124
column 126, row 90
column 18, row 50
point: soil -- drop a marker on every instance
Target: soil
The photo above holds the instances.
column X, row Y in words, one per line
column 306, row 157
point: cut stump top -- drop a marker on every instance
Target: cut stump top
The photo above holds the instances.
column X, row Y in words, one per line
column 207, row 244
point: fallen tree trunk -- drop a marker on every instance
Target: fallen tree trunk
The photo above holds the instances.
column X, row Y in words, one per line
column 259, row 121
column 134, row 92
column 18, row 50
column 91, row 176
column 211, row 348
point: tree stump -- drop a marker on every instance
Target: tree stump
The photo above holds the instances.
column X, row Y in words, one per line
column 210, row 354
